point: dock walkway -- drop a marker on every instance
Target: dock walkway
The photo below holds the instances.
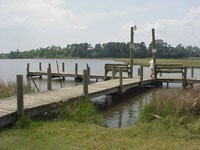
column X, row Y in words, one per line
column 37, row 103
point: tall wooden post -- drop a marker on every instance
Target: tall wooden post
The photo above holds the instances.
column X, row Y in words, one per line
column 154, row 52
column 141, row 76
column 28, row 70
column 49, row 87
column 20, row 99
column 120, row 80
column 131, row 52
column 85, row 83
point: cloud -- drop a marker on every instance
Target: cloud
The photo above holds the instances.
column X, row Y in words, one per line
column 174, row 31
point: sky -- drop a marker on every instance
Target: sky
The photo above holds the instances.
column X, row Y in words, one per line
column 31, row 24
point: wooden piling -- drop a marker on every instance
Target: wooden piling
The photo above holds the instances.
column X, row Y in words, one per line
column 88, row 70
column 141, row 76
column 28, row 70
column 49, row 86
column 192, row 72
column 76, row 70
column 120, row 80
column 40, row 68
column 184, row 82
column 154, row 53
column 85, row 84
column 113, row 71
column 20, row 99
column 131, row 53
column 63, row 67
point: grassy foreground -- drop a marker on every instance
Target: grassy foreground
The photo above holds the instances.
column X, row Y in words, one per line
column 73, row 135
column 145, row 62
column 169, row 121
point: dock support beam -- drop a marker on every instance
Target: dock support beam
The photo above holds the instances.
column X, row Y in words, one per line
column 28, row 69
column 20, row 99
column 85, row 84
column 49, row 87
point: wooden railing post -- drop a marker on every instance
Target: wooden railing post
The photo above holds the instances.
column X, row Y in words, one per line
column 40, row 69
column 20, row 99
column 192, row 72
column 141, row 76
column 120, row 80
column 184, row 82
column 105, row 73
column 85, row 84
column 63, row 67
column 113, row 71
column 76, row 70
column 40, row 66
column 49, row 87
column 28, row 70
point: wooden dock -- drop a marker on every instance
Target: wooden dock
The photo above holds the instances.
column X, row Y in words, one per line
column 37, row 103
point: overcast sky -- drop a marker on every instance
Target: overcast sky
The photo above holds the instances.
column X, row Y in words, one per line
column 30, row 24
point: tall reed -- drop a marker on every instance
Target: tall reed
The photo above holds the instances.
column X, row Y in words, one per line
column 176, row 102
column 9, row 89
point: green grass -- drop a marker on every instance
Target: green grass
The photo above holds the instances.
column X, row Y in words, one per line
column 145, row 62
column 170, row 121
column 74, row 135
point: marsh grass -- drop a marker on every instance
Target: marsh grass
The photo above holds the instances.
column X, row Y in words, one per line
column 9, row 89
column 184, row 104
column 145, row 62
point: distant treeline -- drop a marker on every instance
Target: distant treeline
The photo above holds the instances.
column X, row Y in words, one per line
column 106, row 50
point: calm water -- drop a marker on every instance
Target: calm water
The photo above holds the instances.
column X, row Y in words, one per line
column 118, row 113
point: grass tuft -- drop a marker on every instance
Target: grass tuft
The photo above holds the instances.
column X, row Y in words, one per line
column 80, row 110
column 9, row 89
